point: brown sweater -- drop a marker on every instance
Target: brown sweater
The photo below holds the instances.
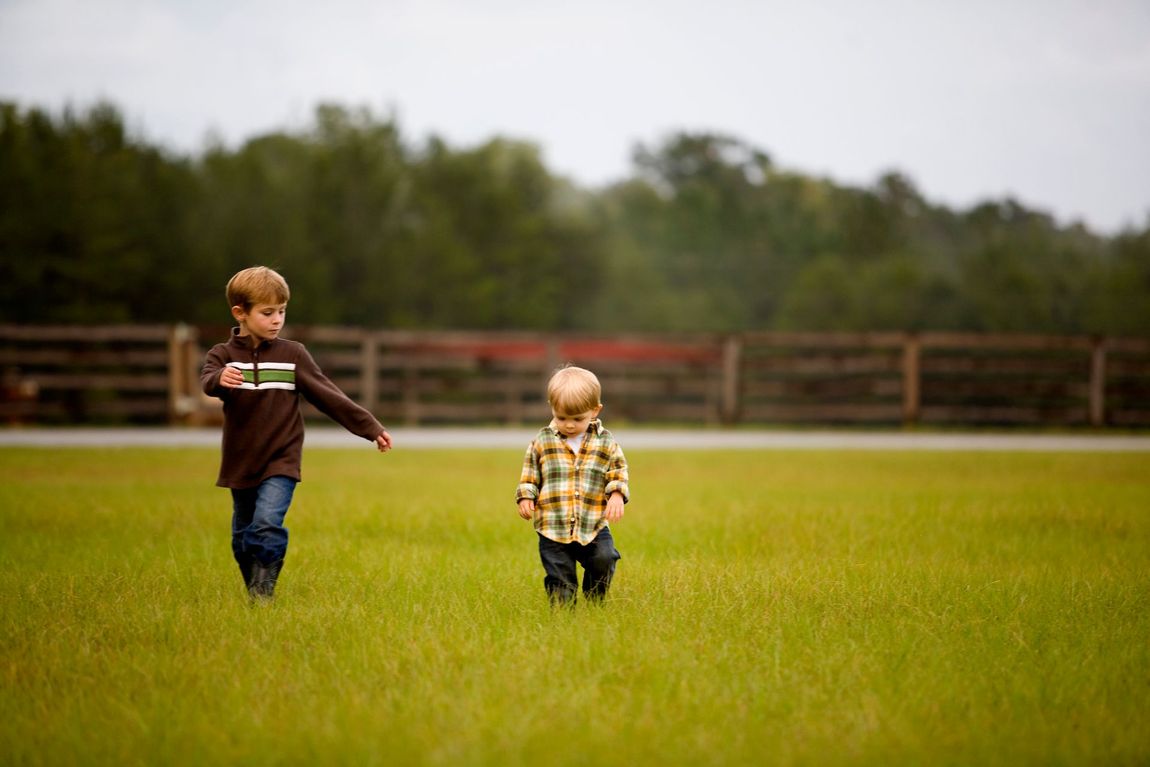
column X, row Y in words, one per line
column 263, row 425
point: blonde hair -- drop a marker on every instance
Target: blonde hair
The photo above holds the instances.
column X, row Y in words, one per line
column 573, row 390
column 257, row 285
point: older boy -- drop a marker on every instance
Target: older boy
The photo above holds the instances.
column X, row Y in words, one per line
column 574, row 482
column 260, row 377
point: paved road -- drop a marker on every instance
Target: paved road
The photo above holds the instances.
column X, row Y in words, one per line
column 631, row 439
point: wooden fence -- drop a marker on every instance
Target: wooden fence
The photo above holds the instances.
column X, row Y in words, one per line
column 150, row 374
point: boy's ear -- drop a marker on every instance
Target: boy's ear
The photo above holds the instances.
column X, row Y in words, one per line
column 238, row 313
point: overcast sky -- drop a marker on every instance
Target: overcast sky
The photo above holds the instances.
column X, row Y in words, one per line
column 1047, row 101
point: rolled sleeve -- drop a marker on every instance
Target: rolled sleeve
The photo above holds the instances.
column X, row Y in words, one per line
column 530, row 478
column 617, row 478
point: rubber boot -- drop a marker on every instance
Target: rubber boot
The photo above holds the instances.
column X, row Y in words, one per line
column 264, row 577
column 247, row 570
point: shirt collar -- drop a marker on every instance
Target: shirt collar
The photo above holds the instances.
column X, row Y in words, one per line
column 595, row 426
column 245, row 342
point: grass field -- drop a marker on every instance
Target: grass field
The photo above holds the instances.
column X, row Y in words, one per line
column 770, row 608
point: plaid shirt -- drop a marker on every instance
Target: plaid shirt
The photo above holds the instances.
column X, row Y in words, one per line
column 570, row 491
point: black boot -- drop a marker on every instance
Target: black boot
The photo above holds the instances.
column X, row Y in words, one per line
column 264, row 577
column 247, row 570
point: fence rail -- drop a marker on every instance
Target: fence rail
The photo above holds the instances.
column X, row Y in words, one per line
column 150, row 374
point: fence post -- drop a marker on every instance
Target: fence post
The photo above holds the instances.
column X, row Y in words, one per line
column 181, row 373
column 732, row 366
column 911, row 379
column 1098, row 382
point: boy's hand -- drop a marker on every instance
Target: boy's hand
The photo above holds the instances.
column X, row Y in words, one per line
column 383, row 442
column 230, row 378
column 614, row 510
column 527, row 508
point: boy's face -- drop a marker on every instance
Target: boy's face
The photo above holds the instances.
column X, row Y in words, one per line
column 263, row 322
column 571, row 424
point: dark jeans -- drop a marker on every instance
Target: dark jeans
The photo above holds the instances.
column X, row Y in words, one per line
column 258, row 532
column 598, row 559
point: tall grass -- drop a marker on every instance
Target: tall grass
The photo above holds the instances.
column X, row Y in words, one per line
column 770, row 607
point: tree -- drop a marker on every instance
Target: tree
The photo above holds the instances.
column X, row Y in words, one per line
column 93, row 223
column 708, row 234
column 498, row 243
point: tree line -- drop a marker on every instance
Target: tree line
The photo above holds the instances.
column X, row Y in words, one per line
column 706, row 233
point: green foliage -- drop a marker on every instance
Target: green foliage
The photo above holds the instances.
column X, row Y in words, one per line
column 371, row 230
column 1122, row 308
column 494, row 242
column 86, row 217
column 868, row 608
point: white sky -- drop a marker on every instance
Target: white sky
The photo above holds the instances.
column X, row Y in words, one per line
column 1044, row 100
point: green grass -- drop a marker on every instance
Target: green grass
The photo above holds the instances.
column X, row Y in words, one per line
column 770, row 608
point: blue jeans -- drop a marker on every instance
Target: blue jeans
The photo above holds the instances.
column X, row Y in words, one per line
column 559, row 559
column 258, row 532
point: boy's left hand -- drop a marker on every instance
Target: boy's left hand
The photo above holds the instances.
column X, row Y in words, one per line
column 383, row 442
column 614, row 510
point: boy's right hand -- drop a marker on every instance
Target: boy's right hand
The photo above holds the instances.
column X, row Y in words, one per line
column 527, row 508
column 230, row 378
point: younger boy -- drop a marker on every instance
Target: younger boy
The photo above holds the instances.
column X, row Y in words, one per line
column 574, row 482
column 260, row 377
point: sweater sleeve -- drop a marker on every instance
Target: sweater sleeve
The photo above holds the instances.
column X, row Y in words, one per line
column 214, row 364
column 320, row 391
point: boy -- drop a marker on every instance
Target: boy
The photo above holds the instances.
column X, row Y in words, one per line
column 574, row 482
column 260, row 377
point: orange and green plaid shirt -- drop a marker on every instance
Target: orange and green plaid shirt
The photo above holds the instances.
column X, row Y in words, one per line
column 570, row 491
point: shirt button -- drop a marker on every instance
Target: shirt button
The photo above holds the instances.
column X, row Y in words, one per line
column 576, row 493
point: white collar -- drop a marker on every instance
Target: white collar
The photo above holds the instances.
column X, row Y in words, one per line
column 596, row 426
